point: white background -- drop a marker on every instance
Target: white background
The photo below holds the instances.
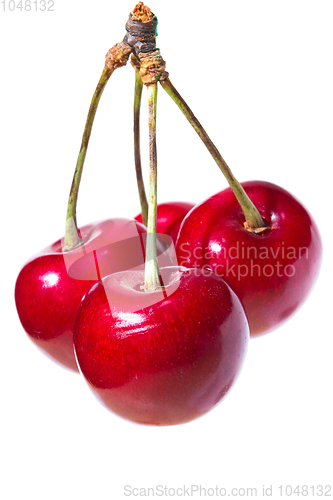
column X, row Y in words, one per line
column 258, row 74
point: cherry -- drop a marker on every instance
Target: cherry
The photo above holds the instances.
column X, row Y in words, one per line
column 169, row 217
column 272, row 269
column 158, row 357
column 51, row 285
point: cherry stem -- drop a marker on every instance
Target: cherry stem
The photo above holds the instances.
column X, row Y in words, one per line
column 137, row 155
column 152, row 280
column 252, row 216
column 72, row 238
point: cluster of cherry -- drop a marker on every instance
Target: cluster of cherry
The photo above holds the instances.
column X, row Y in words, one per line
column 158, row 320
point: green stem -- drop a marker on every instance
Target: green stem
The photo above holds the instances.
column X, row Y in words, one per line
column 137, row 155
column 71, row 231
column 252, row 216
column 152, row 280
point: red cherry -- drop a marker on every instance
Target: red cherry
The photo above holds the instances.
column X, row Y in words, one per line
column 169, row 217
column 272, row 271
column 51, row 285
column 164, row 357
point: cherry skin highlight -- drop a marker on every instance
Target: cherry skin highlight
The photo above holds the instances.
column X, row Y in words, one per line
column 169, row 217
column 273, row 271
column 164, row 357
column 51, row 285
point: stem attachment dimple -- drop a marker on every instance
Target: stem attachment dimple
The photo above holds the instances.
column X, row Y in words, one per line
column 152, row 281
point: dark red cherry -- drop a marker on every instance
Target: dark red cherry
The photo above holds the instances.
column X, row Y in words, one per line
column 51, row 285
column 164, row 357
column 272, row 271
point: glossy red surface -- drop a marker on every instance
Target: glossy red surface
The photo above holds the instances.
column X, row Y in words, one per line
column 155, row 360
column 272, row 272
column 169, row 217
column 51, row 285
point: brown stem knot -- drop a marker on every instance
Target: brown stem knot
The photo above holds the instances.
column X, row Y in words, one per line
column 152, row 67
column 118, row 55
